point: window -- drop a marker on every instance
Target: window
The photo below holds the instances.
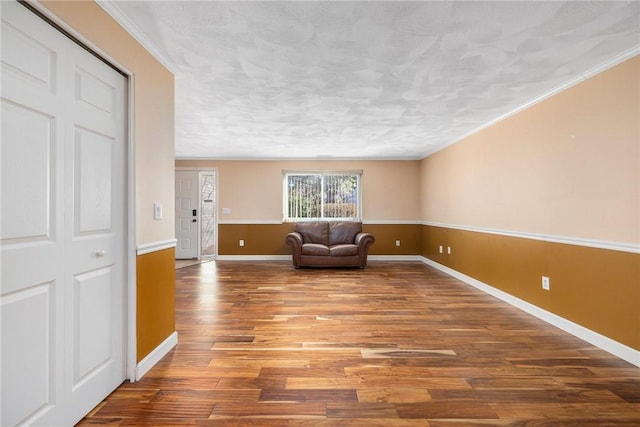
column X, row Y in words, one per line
column 332, row 196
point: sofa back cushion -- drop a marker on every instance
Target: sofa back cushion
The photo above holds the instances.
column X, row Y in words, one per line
column 313, row 232
column 343, row 232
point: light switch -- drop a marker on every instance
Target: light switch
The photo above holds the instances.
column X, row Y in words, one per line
column 226, row 211
column 157, row 211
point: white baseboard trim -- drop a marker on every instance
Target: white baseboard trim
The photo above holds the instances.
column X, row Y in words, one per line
column 607, row 344
column 253, row 258
column 394, row 258
column 156, row 354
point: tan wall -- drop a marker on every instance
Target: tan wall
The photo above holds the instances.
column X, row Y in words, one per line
column 253, row 189
column 153, row 131
column 568, row 166
column 253, row 192
column 153, row 113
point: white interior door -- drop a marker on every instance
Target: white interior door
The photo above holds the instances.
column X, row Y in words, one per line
column 63, row 210
column 95, row 230
column 187, row 205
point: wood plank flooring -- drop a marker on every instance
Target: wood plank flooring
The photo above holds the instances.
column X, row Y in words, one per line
column 182, row 263
column 396, row 344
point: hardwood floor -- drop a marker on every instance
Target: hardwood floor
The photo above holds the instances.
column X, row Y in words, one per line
column 182, row 263
column 396, row 344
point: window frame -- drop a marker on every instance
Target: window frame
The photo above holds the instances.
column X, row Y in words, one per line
column 321, row 173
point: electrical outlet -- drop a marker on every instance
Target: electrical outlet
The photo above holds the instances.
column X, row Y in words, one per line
column 397, row 242
column 440, row 249
column 546, row 285
column 449, row 250
column 241, row 242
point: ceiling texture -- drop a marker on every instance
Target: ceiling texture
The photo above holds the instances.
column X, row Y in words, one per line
column 370, row 79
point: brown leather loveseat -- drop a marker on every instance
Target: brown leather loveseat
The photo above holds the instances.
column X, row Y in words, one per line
column 329, row 244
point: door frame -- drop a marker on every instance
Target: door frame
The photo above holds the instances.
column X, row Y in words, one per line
column 201, row 169
column 130, row 224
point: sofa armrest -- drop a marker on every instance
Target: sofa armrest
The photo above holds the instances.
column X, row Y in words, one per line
column 364, row 241
column 294, row 239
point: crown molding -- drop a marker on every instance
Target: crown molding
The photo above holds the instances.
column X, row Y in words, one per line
column 612, row 62
column 112, row 9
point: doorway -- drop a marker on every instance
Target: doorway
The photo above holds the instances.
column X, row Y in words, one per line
column 196, row 207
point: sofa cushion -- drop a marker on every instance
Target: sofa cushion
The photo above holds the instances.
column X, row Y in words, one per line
column 343, row 232
column 313, row 232
column 315, row 249
column 343, row 250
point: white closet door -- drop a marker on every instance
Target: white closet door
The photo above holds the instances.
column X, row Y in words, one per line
column 62, row 225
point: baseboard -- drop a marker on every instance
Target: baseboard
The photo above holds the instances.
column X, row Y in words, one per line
column 607, row 344
column 253, row 258
column 156, row 354
column 393, row 257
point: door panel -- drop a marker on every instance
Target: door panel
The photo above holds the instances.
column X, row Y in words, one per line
column 93, row 91
column 92, row 322
column 63, row 208
column 28, row 375
column 31, row 299
column 25, row 57
column 95, row 177
column 22, row 186
column 92, row 182
column 187, row 198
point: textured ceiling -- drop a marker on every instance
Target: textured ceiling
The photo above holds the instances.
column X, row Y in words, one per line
column 366, row 80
